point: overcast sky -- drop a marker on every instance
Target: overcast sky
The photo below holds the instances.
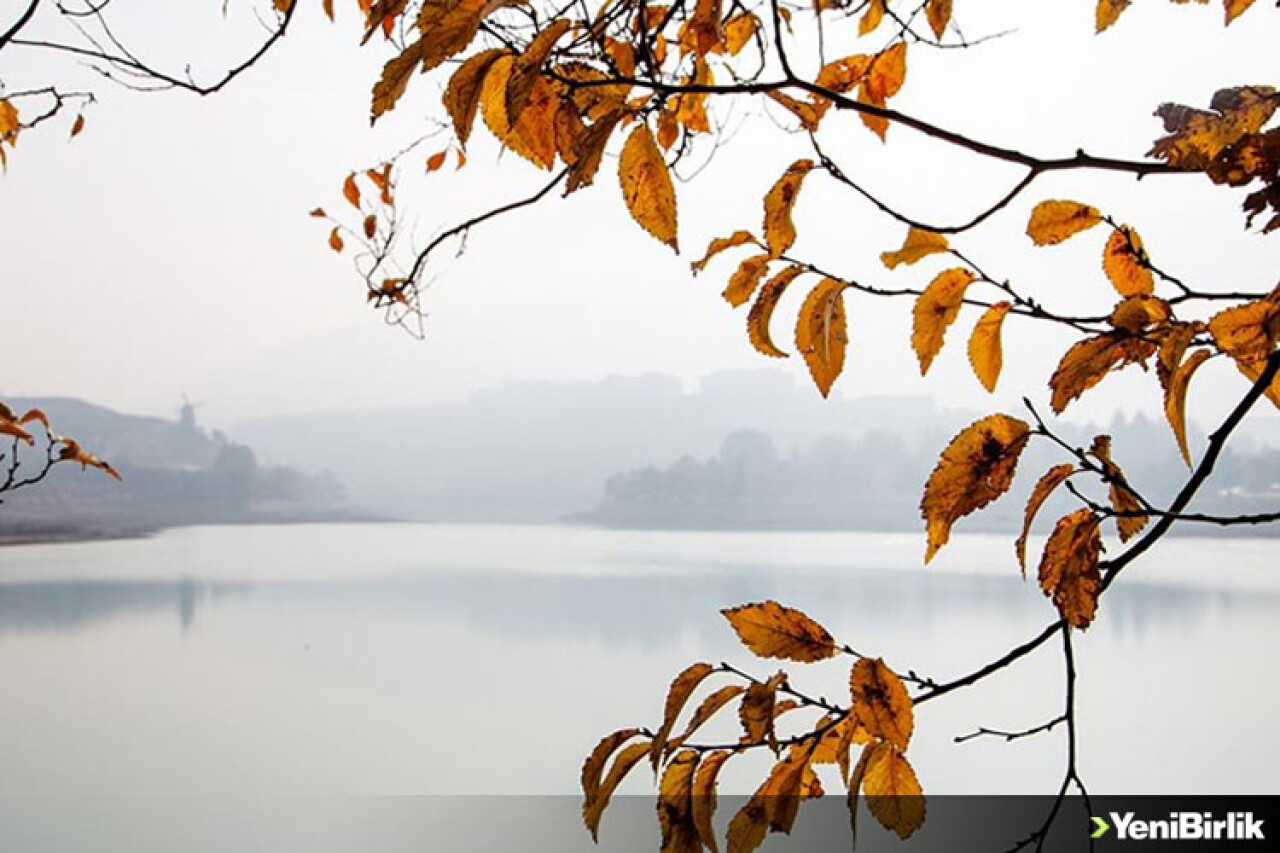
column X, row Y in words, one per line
column 167, row 250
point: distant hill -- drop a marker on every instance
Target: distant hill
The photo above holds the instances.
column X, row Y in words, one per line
column 173, row 472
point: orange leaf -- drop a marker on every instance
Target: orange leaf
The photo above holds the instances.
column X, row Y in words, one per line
column 704, row 797
column 986, row 354
column 675, row 805
column 709, row 707
column 462, row 96
column 935, row 309
column 1236, row 8
column 1175, row 399
column 762, row 310
column 435, row 161
column 893, row 793
column 351, row 192
column 1197, row 137
column 1108, row 12
column 1172, row 348
column 335, row 240
column 881, row 703
column 821, row 333
column 77, row 126
column 1069, row 567
column 681, row 689
column 745, row 278
column 976, row 468
column 589, row 152
column 395, row 78
column 1052, row 222
column 528, row 66
column 719, row 244
column 938, row 12
column 646, row 186
column 738, row 30
column 593, row 767
column 756, row 710
column 779, row 231
column 593, row 809
column 771, row 630
column 1248, row 332
column 1088, row 361
column 1129, row 519
column 919, row 244
column 1044, row 487
column 370, row 226
column 872, row 17
column 1133, row 314
column 1125, row 263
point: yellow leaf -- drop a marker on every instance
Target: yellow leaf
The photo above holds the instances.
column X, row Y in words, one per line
column 1175, row 399
column 1136, row 313
column 709, row 707
column 593, row 767
column 1129, row 520
column 681, row 689
column 704, row 797
column 935, row 309
column 1052, row 222
column 1172, row 347
column 1236, row 8
column 804, row 111
column 528, row 66
column 976, row 468
column 1252, row 371
column 1248, row 332
column 646, row 186
column 10, row 125
column 1197, row 137
column 750, row 825
column 834, row 745
column 756, row 710
column 675, row 805
column 919, row 244
column 335, row 240
column 938, row 12
column 738, row 30
column 745, row 278
column 1069, row 567
column 589, row 152
column 893, row 793
column 886, row 74
column 779, row 231
column 821, row 333
column 1125, row 263
column 881, row 703
column 762, row 310
column 771, row 630
column 593, row 809
column 872, row 17
column 1088, row 361
column 720, row 244
column 1044, row 487
column 462, row 96
column 351, row 192
column 1108, row 12
column 986, row 355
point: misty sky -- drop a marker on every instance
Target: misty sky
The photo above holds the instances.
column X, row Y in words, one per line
column 167, row 250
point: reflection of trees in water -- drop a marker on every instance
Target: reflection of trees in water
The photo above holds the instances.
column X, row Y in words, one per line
column 64, row 606
column 650, row 611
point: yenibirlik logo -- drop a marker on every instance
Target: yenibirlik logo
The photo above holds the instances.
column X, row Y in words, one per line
column 1182, row 826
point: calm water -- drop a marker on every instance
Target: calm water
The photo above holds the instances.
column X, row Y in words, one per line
column 322, row 661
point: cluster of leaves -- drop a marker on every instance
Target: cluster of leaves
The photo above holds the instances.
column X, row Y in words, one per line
column 58, row 448
column 878, row 718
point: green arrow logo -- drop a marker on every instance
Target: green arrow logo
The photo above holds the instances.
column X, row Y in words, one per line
column 1100, row 827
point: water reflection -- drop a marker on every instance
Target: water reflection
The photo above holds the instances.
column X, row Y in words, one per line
column 612, row 610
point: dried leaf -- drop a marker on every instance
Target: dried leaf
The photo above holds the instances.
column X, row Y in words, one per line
column 1069, row 567
column 779, row 231
column 462, row 96
column 1197, row 137
column 745, row 278
column 720, row 244
column 675, row 805
column 709, row 707
column 881, row 703
column 738, row 31
column 1052, row 222
column 771, row 630
column 935, row 309
column 1125, row 263
column 1134, row 314
column 893, row 793
column 593, row 809
column 976, row 468
column 1130, row 519
column 593, row 767
column 756, row 710
column 646, row 186
column 821, row 333
column 1088, row 361
column 1172, row 347
column 77, row 126
column 762, row 310
column 919, row 244
column 1108, row 12
column 938, row 13
column 986, row 354
column 370, row 226
column 1175, row 399
column 678, row 694
column 589, row 152
column 704, row 797
column 528, row 66
column 1044, row 487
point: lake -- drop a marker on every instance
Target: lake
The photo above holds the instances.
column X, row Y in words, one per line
column 362, row 663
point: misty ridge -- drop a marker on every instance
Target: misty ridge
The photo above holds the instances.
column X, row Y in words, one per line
column 748, row 449
column 745, row 450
